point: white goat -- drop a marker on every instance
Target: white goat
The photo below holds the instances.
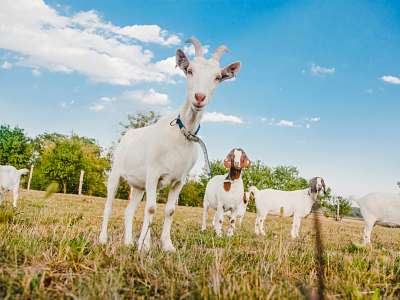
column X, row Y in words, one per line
column 379, row 208
column 162, row 154
column 9, row 181
column 289, row 203
column 225, row 193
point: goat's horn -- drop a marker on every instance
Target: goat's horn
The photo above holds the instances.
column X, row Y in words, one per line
column 219, row 51
column 198, row 50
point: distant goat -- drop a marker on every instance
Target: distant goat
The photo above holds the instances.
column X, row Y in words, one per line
column 9, row 181
column 379, row 208
column 225, row 193
column 162, row 154
column 289, row 203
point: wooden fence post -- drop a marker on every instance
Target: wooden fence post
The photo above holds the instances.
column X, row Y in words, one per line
column 81, row 182
column 130, row 193
column 30, row 178
column 338, row 209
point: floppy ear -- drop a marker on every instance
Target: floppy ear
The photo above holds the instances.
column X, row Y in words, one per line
column 230, row 71
column 313, row 185
column 181, row 60
column 246, row 161
column 228, row 160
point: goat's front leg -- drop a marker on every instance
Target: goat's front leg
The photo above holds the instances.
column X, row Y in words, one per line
column 218, row 219
column 295, row 226
column 15, row 196
column 169, row 212
column 232, row 223
column 150, row 210
column 1, row 197
column 368, row 226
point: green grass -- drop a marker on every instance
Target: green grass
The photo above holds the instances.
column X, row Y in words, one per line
column 49, row 249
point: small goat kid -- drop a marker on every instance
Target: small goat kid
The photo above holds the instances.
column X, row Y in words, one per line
column 225, row 193
column 289, row 203
column 9, row 181
column 159, row 154
column 379, row 208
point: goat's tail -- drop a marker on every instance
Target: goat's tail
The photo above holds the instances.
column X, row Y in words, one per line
column 253, row 189
column 23, row 171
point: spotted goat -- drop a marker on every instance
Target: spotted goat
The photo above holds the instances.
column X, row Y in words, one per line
column 225, row 193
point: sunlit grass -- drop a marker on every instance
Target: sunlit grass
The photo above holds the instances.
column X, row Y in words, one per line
column 49, row 249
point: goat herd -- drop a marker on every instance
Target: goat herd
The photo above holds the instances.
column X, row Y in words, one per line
column 163, row 154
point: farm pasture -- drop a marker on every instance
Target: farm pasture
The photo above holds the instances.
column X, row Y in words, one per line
column 49, row 248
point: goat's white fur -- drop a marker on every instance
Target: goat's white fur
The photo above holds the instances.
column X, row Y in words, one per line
column 288, row 203
column 9, row 181
column 159, row 155
column 379, row 208
column 229, row 203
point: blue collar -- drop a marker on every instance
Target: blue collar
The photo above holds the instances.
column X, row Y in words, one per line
column 180, row 124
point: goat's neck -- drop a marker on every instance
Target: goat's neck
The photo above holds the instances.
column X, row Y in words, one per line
column 190, row 117
column 313, row 196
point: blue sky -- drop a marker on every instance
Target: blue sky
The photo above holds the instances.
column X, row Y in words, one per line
column 319, row 86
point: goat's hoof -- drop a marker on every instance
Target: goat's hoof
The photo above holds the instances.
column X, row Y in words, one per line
column 143, row 247
column 169, row 248
column 128, row 242
column 103, row 239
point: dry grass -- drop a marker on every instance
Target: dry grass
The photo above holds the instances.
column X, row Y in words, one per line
column 48, row 249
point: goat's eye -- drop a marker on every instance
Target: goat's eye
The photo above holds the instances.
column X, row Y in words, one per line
column 190, row 72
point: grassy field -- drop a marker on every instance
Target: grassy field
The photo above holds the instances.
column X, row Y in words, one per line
column 49, row 249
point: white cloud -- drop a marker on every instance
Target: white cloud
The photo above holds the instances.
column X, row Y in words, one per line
column 391, row 79
column 108, row 99
column 150, row 97
column 97, row 107
column 216, row 117
column 286, row 123
column 318, row 70
column 313, row 119
column 308, row 126
column 189, row 49
column 168, row 66
column 81, row 43
column 36, row 72
column 6, row 65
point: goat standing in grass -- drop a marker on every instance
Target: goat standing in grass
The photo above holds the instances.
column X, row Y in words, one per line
column 162, row 154
column 9, row 181
column 225, row 193
column 293, row 203
column 379, row 208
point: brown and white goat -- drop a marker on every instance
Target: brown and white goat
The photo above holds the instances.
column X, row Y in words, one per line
column 225, row 193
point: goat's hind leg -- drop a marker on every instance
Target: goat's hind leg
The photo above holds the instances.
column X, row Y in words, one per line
column 169, row 212
column 136, row 196
column 112, row 185
column 150, row 210
column 369, row 223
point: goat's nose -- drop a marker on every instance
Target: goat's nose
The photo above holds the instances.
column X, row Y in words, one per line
column 200, row 97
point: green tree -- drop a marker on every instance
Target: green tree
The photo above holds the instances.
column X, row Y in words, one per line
column 15, row 147
column 61, row 160
column 330, row 204
column 140, row 119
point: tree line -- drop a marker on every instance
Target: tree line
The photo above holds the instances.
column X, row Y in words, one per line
column 58, row 159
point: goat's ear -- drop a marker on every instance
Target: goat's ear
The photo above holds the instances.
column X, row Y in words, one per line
column 181, row 60
column 246, row 161
column 230, row 71
column 228, row 163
